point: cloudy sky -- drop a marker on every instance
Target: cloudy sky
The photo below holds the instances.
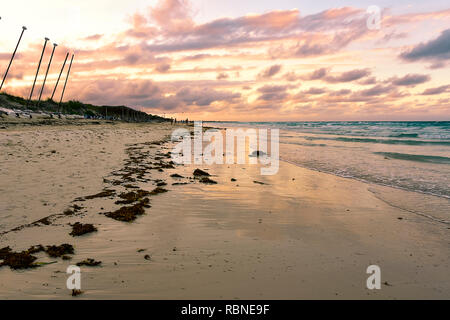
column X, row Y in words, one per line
column 241, row 60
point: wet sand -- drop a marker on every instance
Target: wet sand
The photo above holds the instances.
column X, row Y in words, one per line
column 300, row 235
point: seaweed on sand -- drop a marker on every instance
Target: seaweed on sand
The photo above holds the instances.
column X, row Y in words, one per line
column 132, row 196
column 79, row 229
column 36, row 249
column 201, row 173
column 68, row 212
column 77, row 208
column 89, row 263
column 158, row 190
column 145, row 203
column 166, row 165
column 45, row 221
column 71, row 211
column 26, row 260
column 59, row 251
column 4, row 252
column 17, row 260
column 129, row 214
column 103, row 194
column 130, row 186
column 76, row 292
column 207, row 180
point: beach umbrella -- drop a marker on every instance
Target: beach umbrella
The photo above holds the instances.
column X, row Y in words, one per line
column 12, row 57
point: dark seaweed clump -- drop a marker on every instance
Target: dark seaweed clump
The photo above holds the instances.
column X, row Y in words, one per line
column 76, row 292
column 59, row 251
column 207, row 180
column 201, row 173
column 131, row 197
column 79, row 229
column 36, row 249
column 17, row 260
column 44, row 221
column 89, row 263
column 129, row 214
column 130, row 186
column 103, row 194
column 158, row 190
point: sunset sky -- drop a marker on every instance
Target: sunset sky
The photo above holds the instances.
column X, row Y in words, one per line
column 240, row 60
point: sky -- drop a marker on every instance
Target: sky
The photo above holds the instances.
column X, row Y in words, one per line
column 240, row 60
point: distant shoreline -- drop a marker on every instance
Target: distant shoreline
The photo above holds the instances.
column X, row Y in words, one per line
column 10, row 122
column 11, row 106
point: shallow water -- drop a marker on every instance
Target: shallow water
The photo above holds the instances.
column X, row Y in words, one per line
column 414, row 156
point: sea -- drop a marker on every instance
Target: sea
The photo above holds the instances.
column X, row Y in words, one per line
column 409, row 155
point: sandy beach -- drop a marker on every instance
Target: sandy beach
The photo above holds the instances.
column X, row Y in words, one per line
column 300, row 234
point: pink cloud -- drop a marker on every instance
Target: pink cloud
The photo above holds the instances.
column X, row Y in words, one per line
column 172, row 16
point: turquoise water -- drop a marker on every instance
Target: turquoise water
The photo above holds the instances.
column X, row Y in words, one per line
column 409, row 155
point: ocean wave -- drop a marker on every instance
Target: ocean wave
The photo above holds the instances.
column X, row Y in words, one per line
column 306, row 144
column 436, row 191
column 405, row 135
column 383, row 141
column 432, row 130
column 415, row 157
column 346, row 149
